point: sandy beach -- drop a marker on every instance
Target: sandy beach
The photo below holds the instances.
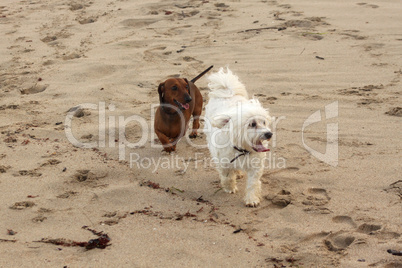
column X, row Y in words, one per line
column 78, row 92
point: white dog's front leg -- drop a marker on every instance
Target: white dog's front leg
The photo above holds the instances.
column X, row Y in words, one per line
column 253, row 188
column 228, row 181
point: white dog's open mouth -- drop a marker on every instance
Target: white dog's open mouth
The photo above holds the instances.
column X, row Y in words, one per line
column 181, row 105
column 261, row 147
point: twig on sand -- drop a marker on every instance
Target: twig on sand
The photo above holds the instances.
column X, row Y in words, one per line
column 7, row 240
column 174, row 188
column 218, row 190
column 264, row 28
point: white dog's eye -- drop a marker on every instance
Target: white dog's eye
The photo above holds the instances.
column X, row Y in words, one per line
column 253, row 124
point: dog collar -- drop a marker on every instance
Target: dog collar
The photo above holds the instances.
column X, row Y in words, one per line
column 242, row 151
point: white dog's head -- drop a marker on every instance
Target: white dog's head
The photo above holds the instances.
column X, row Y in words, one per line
column 248, row 124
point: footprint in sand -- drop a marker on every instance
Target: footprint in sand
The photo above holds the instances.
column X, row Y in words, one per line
column 373, row 46
column 368, row 5
column 156, row 53
column 90, row 177
column 39, row 218
column 71, row 56
column 22, row 205
column 344, row 219
column 338, row 241
column 67, row 194
column 84, row 175
column 10, row 139
column 315, row 199
column 3, row 169
column 353, row 35
column 395, row 187
column 51, row 162
column 49, row 38
column 385, row 235
column 189, row 59
column 281, row 200
column 34, row 89
column 396, row 111
column 114, row 217
column 393, row 265
column 87, row 20
column 368, row 228
column 78, row 111
column 31, row 173
column 74, row 6
column 314, row 236
column 367, row 101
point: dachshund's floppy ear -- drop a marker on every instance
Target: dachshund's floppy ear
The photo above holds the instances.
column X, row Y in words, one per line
column 161, row 91
column 188, row 85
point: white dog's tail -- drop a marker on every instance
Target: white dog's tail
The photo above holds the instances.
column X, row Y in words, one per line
column 225, row 84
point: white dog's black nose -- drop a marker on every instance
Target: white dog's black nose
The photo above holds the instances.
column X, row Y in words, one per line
column 268, row 135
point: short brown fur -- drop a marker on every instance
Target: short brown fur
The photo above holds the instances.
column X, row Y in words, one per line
column 171, row 120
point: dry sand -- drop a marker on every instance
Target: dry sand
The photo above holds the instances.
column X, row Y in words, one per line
column 297, row 56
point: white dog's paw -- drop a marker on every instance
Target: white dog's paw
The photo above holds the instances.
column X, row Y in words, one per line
column 252, row 201
column 230, row 190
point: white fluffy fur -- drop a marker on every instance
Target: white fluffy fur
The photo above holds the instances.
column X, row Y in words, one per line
column 230, row 117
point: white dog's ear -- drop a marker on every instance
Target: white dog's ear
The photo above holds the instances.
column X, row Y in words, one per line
column 220, row 121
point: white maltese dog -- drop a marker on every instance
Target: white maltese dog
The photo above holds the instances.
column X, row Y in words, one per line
column 237, row 133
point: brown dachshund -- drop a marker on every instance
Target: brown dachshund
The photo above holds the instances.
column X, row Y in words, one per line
column 179, row 99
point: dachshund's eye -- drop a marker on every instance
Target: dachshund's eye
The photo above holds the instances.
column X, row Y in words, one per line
column 187, row 86
column 253, row 124
column 174, row 88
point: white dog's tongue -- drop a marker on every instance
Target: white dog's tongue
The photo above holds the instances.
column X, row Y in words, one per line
column 260, row 148
column 186, row 106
